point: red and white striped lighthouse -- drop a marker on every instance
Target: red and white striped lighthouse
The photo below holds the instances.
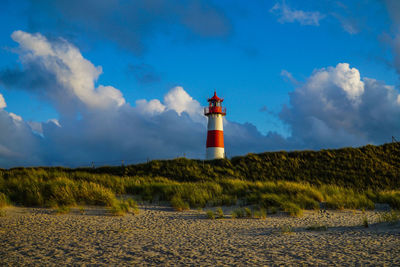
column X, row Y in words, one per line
column 215, row 131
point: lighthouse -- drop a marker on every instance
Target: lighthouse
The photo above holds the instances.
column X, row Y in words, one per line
column 215, row 131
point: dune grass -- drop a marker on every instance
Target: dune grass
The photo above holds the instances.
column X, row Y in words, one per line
column 350, row 178
column 287, row 196
column 210, row 215
column 123, row 207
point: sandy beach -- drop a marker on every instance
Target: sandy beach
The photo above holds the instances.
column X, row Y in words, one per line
column 160, row 236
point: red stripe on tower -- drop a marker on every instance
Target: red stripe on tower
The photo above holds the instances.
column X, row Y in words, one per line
column 215, row 138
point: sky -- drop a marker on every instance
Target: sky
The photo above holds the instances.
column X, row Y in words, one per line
column 106, row 81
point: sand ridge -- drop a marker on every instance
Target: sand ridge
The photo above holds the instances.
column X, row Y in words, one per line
column 160, row 236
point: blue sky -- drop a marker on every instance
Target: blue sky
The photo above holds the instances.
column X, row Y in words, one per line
column 264, row 57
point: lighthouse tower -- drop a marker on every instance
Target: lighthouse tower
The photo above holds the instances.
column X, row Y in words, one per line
column 215, row 132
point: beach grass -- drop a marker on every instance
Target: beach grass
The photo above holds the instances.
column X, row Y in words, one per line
column 348, row 178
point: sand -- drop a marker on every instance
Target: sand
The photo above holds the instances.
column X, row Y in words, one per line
column 160, row 236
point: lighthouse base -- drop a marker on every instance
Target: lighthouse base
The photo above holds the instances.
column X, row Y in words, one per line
column 215, row 153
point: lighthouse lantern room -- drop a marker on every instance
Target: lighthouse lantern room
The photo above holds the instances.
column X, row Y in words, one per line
column 215, row 132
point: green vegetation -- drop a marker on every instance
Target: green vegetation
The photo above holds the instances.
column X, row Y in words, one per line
column 122, row 207
column 391, row 217
column 219, row 213
column 241, row 213
column 62, row 210
column 259, row 213
column 349, row 178
column 210, row 215
column 3, row 200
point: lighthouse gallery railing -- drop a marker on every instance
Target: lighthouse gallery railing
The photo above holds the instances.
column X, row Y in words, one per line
column 215, row 110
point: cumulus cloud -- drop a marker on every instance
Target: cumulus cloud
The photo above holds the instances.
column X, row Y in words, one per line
column 65, row 73
column 288, row 14
column 18, row 145
column 179, row 100
column 335, row 107
column 151, row 107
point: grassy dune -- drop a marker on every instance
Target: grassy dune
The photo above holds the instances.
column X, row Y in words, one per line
column 290, row 181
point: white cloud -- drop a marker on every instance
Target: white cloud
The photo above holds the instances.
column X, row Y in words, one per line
column 342, row 76
column 18, row 145
column 335, row 108
column 288, row 76
column 287, row 14
column 2, row 102
column 178, row 100
column 15, row 117
column 70, row 74
column 151, row 107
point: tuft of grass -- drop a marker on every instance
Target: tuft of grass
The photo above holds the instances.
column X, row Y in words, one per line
column 81, row 209
column 122, row 207
column 63, row 210
column 317, row 227
column 260, row 214
column 178, row 204
column 292, row 209
column 119, row 208
column 210, row 215
column 241, row 213
column 219, row 213
column 247, row 212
